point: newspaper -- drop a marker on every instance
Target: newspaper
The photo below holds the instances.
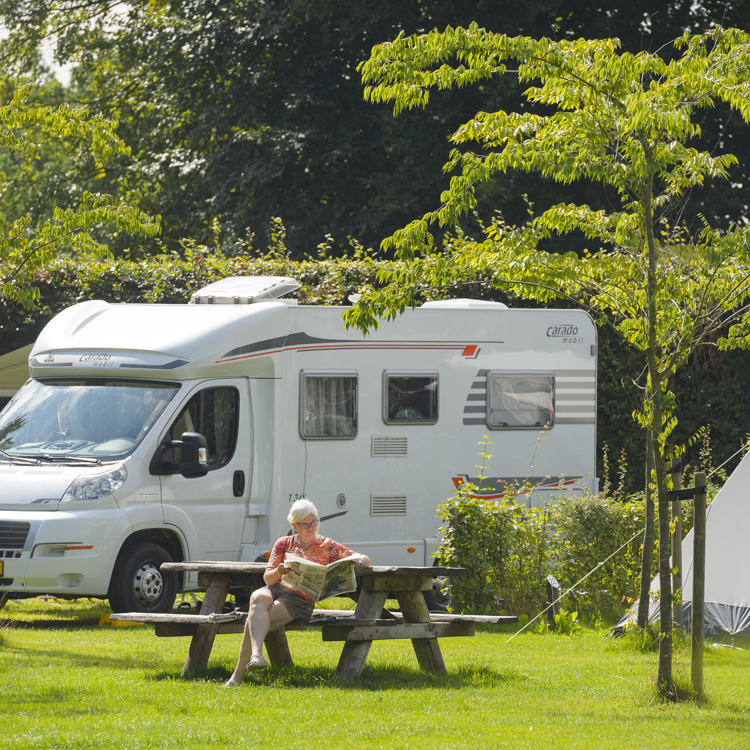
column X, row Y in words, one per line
column 219, row 617
column 321, row 581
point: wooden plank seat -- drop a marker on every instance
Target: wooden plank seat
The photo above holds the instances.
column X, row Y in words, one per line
column 337, row 624
column 176, row 625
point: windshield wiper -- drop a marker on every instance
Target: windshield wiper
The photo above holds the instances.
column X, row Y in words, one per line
column 70, row 460
column 26, row 460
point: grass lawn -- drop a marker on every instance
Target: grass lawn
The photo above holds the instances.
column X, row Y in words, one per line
column 66, row 682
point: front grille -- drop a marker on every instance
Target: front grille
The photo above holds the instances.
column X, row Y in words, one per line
column 13, row 534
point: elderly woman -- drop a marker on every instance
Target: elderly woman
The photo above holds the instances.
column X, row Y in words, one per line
column 277, row 603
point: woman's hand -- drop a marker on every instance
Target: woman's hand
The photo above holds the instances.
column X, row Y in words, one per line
column 272, row 576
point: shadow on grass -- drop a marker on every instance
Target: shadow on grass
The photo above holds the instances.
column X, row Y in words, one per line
column 87, row 621
column 83, row 660
column 372, row 678
column 41, row 615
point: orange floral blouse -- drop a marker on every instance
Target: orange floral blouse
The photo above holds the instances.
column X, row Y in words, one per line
column 323, row 551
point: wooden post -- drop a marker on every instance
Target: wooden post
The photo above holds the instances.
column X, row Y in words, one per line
column 277, row 647
column 699, row 583
column 676, row 472
column 203, row 640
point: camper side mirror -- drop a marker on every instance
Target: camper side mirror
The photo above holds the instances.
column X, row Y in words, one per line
column 192, row 456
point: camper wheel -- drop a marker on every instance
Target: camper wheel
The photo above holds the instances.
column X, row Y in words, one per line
column 437, row 600
column 138, row 584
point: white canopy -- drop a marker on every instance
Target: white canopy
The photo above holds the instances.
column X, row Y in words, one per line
column 727, row 593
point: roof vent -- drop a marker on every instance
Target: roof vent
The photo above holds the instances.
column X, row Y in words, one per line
column 466, row 304
column 244, row 290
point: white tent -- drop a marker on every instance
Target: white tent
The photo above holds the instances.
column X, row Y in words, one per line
column 14, row 370
column 727, row 586
column 727, row 591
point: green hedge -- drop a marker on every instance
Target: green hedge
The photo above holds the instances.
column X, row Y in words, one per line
column 169, row 278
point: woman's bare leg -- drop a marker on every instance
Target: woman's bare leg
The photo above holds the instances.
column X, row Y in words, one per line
column 264, row 616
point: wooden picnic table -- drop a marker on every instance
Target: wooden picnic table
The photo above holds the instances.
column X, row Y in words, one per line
column 357, row 632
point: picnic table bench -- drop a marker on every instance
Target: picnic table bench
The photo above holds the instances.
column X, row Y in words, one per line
column 369, row 621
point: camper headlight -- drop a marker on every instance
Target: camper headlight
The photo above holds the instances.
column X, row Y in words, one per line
column 96, row 486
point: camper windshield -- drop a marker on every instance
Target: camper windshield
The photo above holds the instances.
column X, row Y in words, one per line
column 93, row 418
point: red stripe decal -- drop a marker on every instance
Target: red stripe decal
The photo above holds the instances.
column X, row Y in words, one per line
column 467, row 350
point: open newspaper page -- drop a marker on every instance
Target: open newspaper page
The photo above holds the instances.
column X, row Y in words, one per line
column 321, row 581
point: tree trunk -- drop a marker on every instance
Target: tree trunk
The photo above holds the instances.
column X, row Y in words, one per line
column 647, row 553
column 664, row 685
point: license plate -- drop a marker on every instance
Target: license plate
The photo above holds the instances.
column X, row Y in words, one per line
column 1, row 567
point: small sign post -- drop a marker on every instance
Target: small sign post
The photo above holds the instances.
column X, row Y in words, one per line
column 553, row 600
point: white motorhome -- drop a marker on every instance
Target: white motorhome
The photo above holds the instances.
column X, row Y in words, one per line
column 151, row 432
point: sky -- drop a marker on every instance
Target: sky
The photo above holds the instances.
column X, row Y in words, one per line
column 61, row 72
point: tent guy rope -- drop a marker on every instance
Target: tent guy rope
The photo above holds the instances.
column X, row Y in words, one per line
column 577, row 583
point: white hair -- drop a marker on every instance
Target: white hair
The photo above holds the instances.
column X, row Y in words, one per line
column 301, row 509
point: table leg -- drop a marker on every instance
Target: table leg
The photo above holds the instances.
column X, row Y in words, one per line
column 354, row 653
column 277, row 647
column 203, row 640
column 414, row 609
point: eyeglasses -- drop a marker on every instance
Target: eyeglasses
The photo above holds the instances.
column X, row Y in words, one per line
column 310, row 525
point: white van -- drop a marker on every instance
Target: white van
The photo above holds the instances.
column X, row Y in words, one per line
column 152, row 432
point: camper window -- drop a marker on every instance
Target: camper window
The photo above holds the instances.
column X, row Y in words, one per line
column 410, row 398
column 518, row 400
column 213, row 413
column 328, row 404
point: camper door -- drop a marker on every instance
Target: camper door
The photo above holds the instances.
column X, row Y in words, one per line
column 210, row 509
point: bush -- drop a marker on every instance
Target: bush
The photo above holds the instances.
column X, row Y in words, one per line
column 504, row 547
column 588, row 530
column 509, row 549
column 473, row 538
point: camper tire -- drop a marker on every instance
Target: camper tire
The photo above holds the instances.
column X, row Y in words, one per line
column 437, row 600
column 138, row 584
